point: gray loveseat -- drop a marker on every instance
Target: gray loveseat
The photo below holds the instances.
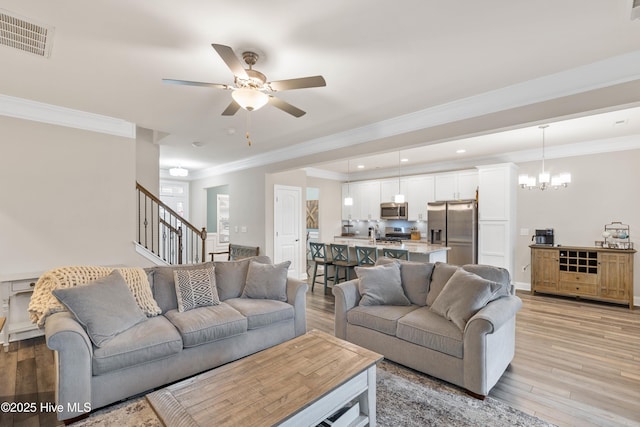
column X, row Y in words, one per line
column 173, row 345
column 465, row 337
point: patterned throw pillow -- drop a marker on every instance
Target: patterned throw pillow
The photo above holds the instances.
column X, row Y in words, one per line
column 196, row 288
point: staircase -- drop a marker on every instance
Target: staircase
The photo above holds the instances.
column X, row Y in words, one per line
column 165, row 234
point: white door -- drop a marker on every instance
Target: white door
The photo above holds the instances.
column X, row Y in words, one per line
column 287, row 227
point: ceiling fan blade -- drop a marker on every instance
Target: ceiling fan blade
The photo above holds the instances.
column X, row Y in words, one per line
column 232, row 61
column 190, row 83
column 286, row 107
column 231, row 109
column 301, row 83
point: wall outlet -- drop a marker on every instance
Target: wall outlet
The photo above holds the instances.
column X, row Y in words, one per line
column 243, row 229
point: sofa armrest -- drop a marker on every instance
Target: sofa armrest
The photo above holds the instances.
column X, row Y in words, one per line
column 489, row 344
column 347, row 297
column 74, row 352
column 495, row 314
column 296, row 296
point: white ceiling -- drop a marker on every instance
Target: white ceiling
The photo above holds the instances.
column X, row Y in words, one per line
column 399, row 75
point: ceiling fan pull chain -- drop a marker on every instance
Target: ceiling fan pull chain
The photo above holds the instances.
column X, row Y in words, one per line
column 248, row 124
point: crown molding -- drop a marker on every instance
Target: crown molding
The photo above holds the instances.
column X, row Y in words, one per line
column 52, row 114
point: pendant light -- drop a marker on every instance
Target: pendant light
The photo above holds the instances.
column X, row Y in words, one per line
column 348, row 200
column 544, row 178
column 399, row 197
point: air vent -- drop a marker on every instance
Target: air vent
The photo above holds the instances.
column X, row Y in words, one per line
column 19, row 33
column 635, row 9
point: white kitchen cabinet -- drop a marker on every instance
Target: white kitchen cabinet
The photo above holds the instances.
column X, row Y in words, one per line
column 347, row 211
column 496, row 215
column 456, row 185
column 420, row 190
column 366, row 200
column 389, row 189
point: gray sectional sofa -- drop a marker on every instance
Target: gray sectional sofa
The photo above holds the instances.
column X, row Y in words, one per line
column 173, row 345
column 453, row 323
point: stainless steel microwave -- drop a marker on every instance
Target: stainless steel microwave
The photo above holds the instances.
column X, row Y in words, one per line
column 393, row 211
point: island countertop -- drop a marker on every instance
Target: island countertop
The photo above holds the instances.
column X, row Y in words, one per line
column 413, row 246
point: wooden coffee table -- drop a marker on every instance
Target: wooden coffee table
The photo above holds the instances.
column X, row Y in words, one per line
column 300, row 382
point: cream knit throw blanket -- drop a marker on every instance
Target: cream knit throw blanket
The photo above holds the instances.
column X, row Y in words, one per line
column 44, row 303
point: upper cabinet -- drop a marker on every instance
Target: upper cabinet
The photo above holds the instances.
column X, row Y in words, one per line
column 366, row 201
column 420, row 190
column 389, row 189
column 456, row 185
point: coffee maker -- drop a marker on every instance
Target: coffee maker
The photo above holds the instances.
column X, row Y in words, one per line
column 543, row 237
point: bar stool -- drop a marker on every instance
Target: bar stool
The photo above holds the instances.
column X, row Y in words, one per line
column 366, row 255
column 319, row 257
column 396, row 253
column 341, row 259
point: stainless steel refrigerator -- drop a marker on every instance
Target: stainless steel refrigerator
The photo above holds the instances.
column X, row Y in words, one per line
column 455, row 224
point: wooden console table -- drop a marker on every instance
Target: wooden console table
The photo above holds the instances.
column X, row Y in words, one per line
column 601, row 274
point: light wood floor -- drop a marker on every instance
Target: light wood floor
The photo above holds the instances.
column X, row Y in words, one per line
column 577, row 363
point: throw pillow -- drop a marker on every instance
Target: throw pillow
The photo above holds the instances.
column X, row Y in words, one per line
column 267, row 281
column 195, row 288
column 463, row 296
column 381, row 285
column 442, row 272
column 231, row 276
column 104, row 307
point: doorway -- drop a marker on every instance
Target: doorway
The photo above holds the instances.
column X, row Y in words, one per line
column 288, row 227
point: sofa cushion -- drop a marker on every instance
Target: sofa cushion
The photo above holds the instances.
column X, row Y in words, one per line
column 105, row 307
column 231, row 276
column 262, row 312
column 154, row 339
column 381, row 318
column 464, row 294
column 164, row 287
column 195, row 288
column 442, row 272
column 381, row 285
column 267, row 281
column 207, row 324
column 495, row 274
column 428, row 329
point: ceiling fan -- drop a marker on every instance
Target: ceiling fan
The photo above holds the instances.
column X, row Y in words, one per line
column 251, row 90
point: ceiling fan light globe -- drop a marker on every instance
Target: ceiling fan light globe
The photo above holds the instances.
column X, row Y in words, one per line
column 250, row 99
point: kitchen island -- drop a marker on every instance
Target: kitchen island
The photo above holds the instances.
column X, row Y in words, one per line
column 419, row 250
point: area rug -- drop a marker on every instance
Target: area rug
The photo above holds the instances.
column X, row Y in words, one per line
column 404, row 398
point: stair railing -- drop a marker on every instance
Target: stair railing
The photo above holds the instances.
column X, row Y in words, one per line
column 165, row 233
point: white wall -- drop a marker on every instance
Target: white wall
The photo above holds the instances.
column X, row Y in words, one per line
column 329, row 207
column 147, row 161
column 67, row 197
column 246, row 205
column 604, row 189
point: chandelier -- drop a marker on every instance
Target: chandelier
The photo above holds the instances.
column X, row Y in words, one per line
column 545, row 180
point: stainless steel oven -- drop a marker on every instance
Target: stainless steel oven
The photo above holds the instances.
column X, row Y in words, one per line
column 393, row 211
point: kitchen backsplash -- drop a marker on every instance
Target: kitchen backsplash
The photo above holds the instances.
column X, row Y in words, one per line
column 361, row 228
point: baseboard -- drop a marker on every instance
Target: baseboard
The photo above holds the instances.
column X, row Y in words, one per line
column 146, row 253
column 522, row 286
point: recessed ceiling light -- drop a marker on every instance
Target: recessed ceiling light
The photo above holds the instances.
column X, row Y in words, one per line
column 404, row 160
column 360, row 166
column 197, row 144
column 461, row 150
